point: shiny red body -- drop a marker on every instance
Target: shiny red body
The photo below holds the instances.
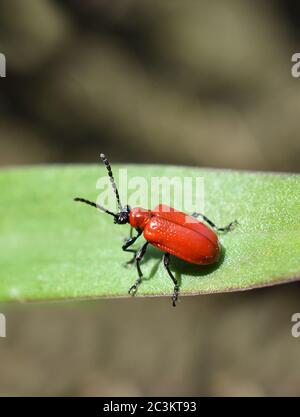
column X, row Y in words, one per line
column 177, row 233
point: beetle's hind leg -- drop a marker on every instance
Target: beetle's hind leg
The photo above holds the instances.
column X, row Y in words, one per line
column 225, row 229
column 166, row 260
column 138, row 258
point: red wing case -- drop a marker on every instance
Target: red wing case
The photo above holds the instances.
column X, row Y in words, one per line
column 182, row 235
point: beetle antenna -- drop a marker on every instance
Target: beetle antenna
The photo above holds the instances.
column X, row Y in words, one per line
column 90, row 203
column 112, row 180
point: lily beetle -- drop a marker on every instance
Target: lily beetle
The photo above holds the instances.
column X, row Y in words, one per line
column 170, row 230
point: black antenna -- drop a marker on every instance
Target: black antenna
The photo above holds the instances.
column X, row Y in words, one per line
column 112, row 180
column 90, row 203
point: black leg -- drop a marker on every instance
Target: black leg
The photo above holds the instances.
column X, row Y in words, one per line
column 139, row 257
column 166, row 260
column 130, row 241
column 227, row 228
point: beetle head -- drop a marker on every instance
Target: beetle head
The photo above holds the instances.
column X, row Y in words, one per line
column 123, row 216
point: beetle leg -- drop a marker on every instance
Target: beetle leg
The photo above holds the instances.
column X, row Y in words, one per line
column 138, row 258
column 166, row 260
column 130, row 235
column 227, row 228
column 130, row 241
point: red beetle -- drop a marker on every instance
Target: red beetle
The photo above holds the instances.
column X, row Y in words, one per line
column 170, row 230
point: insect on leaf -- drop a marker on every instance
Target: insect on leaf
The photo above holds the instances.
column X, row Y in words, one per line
column 52, row 248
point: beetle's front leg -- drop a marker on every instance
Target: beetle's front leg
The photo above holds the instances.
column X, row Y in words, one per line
column 130, row 235
column 139, row 257
column 130, row 241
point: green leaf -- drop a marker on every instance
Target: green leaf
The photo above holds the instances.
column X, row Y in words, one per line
column 54, row 248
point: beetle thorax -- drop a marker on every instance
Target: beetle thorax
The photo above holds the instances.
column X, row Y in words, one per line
column 139, row 217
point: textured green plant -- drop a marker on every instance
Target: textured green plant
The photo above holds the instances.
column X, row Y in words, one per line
column 53, row 248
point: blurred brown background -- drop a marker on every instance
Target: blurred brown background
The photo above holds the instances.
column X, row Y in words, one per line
column 204, row 83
